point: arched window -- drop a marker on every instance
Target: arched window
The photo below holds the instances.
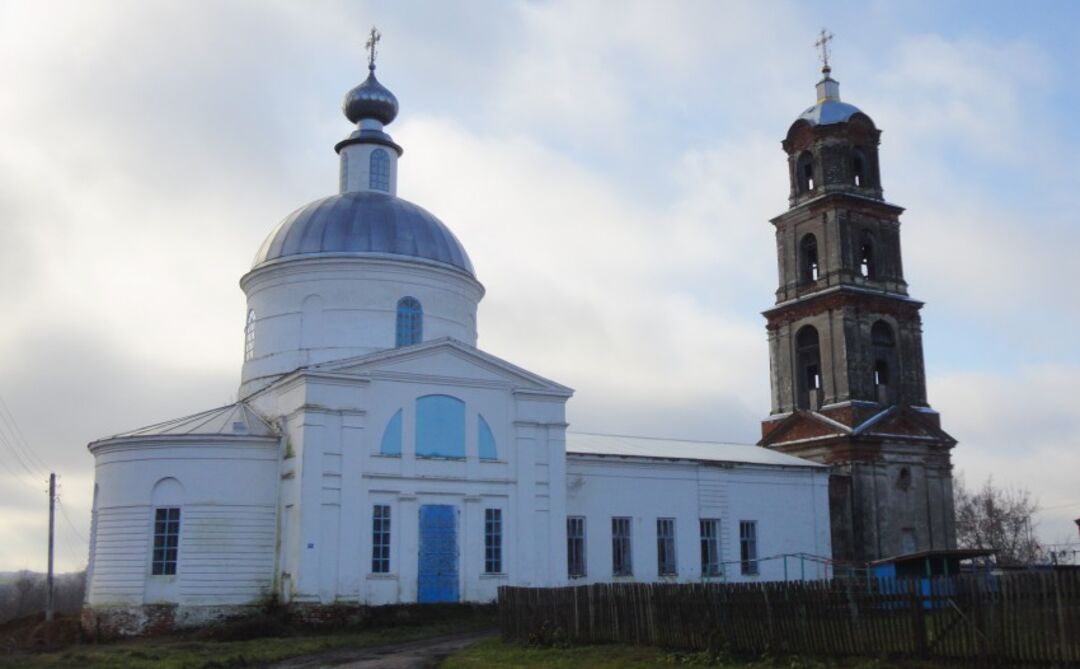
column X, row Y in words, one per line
column 166, row 497
column 903, row 480
column 410, row 322
column 391, row 437
column 866, row 256
column 486, row 440
column 808, row 259
column 804, row 172
column 440, row 427
column 882, row 335
column 808, row 355
column 379, row 171
column 249, row 336
column 858, row 166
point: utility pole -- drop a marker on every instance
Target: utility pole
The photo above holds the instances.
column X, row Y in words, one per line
column 52, row 525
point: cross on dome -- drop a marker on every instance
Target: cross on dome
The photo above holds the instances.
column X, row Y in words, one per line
column 822, row 43
column 373, row 40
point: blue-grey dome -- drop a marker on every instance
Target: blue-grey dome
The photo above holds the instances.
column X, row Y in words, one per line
column 370, row 100
column 364, row 223
column 829, row 111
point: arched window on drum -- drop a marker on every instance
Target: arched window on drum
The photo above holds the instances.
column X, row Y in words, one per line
column 410, row 322
column 379, row 171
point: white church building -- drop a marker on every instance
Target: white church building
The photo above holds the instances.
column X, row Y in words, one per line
column 378, row 456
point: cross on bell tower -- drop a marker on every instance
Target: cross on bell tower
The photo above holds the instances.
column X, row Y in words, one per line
column 845, row 342
column 822, row 43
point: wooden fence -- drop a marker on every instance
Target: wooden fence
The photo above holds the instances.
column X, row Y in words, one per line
column 1020, row 618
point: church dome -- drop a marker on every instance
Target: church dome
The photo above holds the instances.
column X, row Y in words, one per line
column 370, row 100
column 828, row 112
column 364, row 223
column 829, row 109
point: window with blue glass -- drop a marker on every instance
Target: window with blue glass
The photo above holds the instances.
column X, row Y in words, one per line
column 410, row 322
column 440, row 427
column 391, row 438
column 379, row 171
column 380, row 539
column 487, row 440
column 493, row 531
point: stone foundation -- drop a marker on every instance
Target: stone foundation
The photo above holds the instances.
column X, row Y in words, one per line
column 112, row 622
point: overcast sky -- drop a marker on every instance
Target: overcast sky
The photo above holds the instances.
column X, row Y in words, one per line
column 610, row 167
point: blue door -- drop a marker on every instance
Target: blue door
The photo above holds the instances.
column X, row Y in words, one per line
column 438, row 572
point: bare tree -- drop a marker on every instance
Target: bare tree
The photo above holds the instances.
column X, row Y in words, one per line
column 998, row 519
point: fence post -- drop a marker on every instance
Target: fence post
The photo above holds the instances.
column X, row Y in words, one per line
column 1063, row 639
column 918, row 619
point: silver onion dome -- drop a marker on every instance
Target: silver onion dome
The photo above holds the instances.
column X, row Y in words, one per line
column 370, row 100
column 364, row 224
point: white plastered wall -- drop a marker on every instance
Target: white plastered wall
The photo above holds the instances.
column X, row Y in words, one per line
column 227, row 530
column 309, row 311
column 789, row 504
column 336, row 475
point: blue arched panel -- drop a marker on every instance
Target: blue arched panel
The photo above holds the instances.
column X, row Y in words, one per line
column 440, row 426
column 391, row 438
column 487, row 440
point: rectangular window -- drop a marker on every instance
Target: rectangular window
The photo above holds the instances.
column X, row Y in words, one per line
column 493, row 541
column 166, row 541
column 575, row 546
column 710, row 547
column 621, row 562
column 380, row 539
column 748, row 547
column 665, row 547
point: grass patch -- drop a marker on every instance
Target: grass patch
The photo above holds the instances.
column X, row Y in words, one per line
column 493, row 654
column 196, row 651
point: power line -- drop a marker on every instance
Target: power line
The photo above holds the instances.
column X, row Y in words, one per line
column 71, row 525
column 1059, row 506
column 20, row 438
column 19, row 458
column 17, row 475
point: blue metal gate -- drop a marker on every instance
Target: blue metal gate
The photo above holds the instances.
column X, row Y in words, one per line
column 438, row 572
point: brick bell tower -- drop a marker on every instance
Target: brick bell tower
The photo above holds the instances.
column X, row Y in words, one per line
column 845, row 344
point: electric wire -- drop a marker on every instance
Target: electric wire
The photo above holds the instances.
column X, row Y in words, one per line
column 18, row 457
column 20, row 438
column 71, row 525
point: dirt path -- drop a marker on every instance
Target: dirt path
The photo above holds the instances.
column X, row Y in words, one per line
column 423, row 654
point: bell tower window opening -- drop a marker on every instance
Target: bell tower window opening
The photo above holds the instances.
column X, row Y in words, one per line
column 804, row 172
column 858, row 167
column 883, row 342
column 808, row 355
column 808, row 259
column 882, row 335
column 410, row 322
column 379, row 171
column 881, row 373
column 866, row 257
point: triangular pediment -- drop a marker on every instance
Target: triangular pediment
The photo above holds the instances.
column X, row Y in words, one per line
column 804, row 425
column 904, row 422
column 444, row 360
